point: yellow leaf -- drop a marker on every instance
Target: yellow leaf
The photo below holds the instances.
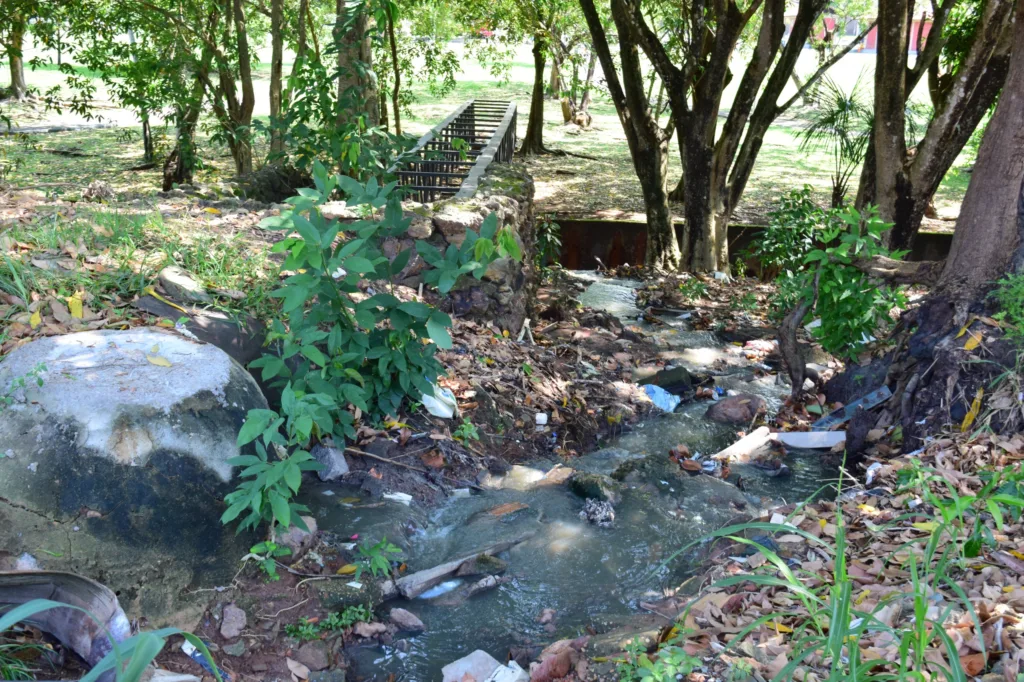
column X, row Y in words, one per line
column 347, row 569
column 822, row 523
column 152, row 292
column 1019, row 555
column 75, row 305
column 973, row 413
column 155, row 348
column 778, row 627
column 211, row 210
column 973, row 342
column 35, row 320
column 927, row 526
column 963, row 329
column 158, row 360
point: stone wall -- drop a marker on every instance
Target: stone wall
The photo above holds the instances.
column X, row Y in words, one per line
column 507, row 288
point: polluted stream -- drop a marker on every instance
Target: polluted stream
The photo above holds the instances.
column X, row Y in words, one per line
column 593, row 578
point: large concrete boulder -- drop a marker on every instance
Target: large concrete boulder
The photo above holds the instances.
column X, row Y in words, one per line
column 116, row 467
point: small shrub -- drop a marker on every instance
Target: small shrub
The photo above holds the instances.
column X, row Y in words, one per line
column 374, row 558
column 306, row 630
column 692, row 289
column 466, row 431
column 791, row 233
column 265, row 554
column 351, row 353
column 851, row 306
column 549, row 242
column 668, row 664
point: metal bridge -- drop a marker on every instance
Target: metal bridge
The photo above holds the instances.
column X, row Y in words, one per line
column 450, row 159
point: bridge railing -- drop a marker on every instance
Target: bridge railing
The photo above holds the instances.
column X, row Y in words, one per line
column 440, row 166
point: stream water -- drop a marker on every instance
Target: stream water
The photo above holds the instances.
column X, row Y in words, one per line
column 592, row 577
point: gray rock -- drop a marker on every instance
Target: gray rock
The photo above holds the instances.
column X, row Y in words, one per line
column 368, row 630
column 500, row 270
column 737, row 409
column 296, row 539
column 335, row 675
column 314, row 655
column 338, row 210
column 145, row 446
column 478, row 665
column 675, row 380
column 595, row 487
column 237, row 649
column 453, row 221
column 420, row 228
column 232, row 622
column 406, row 621
column 333, row 459
column 181, row 286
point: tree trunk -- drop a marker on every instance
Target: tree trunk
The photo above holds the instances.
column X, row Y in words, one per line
column 648, row 143
column 533, row 142
column 699, row 230
column 19, row 88
column 555, row 81
column 147, row 140
column 243, row 119
column 933, row 378
column 961, row 107
column 890, row 108
column 397, row 85
column 588, row 97
column 357, row 92
column 276, row 77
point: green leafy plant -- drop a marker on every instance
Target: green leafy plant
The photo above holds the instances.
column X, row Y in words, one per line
column 466, row 431
column 1009, row 294
column 839, row 125
column 306, row 630
column 850, row 305
column 12, row 660
column 747, row 301
column 548, row 246
column 375, row 559
column 668, row 664
column 793, row 227
column 340, row 350
column 129, row 659
column 18, row 383
column 693, row 289
column 265, row 554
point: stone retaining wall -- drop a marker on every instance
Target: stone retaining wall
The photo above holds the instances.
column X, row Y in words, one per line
column 507, row 288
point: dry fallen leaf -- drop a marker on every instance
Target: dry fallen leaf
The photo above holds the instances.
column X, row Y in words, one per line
column 158, row 360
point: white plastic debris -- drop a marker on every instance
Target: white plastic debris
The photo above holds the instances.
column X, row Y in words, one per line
column 661, row 398
column 355, row 585
column 441, row 404
column 811, row 440
column 814, row 324
column 404, row 498
column 509, row 673
column 872, row 470
column 541, row 418
column 722, row 276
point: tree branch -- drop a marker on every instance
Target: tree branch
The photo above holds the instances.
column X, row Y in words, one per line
column 901, row 272
column 826, row 66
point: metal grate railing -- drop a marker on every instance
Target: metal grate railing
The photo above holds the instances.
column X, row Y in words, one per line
column 438, row 167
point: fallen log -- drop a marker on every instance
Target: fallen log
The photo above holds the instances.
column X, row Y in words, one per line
column 757, row 445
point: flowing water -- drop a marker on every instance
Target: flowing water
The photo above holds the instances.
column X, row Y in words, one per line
column 591, row 576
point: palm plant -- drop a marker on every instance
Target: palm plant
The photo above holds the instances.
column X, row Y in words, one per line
column 839, row 125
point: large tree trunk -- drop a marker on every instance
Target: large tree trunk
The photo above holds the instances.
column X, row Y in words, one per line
column 890, row 155
column 698, row 206
column 648, row 143
column 19, row 88
column 933, row 377
column 276, row 76
column 397, row 71
column 357, row 92
column 533, row 142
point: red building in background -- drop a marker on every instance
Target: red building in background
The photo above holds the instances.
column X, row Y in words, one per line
column 918, row 32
